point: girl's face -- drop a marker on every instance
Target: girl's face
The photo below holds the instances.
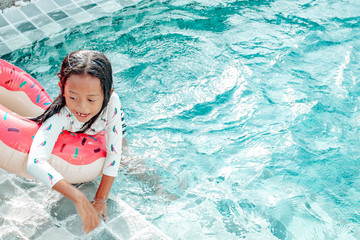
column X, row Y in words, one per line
column 84, row 96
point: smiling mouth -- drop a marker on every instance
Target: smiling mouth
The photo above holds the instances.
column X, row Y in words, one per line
column 83, row 115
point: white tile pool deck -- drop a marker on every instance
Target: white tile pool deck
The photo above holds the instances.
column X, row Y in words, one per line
column 21, row 215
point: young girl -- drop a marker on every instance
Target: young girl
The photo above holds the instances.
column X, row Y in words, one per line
column 86, row 104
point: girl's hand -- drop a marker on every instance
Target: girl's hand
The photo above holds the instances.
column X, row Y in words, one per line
column 101, row 209
column 87, row 213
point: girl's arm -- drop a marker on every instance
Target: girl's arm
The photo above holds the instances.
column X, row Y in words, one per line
column 103, row 191
column 86, row 211
column 102, row 194
column 40, row 151
column 114, row 145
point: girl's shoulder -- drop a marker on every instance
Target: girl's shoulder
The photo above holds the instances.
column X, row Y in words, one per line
column 114, row 97
column 113, row 107
column 114, row 102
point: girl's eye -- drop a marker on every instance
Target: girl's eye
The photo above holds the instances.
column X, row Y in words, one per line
column 73, row 98
column 91, row 100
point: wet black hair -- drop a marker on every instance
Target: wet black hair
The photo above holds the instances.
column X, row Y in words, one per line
column 81, row 62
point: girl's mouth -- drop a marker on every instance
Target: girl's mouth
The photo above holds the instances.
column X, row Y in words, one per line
column 82, row 115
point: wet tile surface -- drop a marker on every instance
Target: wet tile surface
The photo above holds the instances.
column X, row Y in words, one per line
column 3, row 22
column 19, row 26
column 25, row 26
column 29, row 210
column 14, row 15
column 57, row 15
column 31, row 10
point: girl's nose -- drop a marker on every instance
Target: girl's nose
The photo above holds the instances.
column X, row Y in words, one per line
column 82, row 106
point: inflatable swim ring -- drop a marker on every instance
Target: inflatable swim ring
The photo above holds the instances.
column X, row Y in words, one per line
column 76, row 156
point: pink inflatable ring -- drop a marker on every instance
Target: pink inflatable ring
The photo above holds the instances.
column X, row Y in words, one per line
column 78, row 157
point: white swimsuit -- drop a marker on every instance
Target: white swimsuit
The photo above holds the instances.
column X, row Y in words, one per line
column 111, row 120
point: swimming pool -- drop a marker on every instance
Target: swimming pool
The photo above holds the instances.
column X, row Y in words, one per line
column 248, row 110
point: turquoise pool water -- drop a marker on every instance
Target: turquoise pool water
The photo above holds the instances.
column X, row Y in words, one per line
column 248, row 110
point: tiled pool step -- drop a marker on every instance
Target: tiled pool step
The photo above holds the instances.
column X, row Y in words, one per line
column 21, row 26
column 29, row 210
